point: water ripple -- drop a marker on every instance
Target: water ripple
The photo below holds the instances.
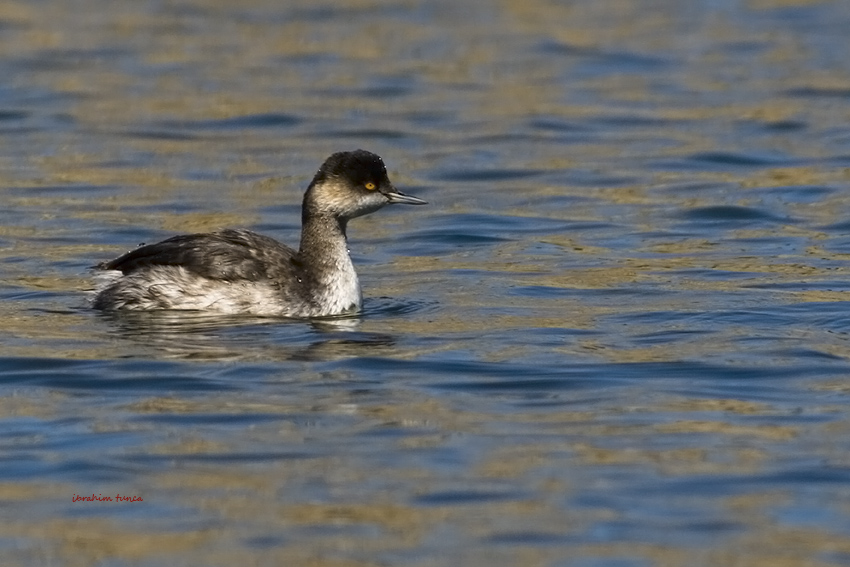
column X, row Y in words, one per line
column 485, row 175
column 125, row 376
column 732, row 214
column 266, row 120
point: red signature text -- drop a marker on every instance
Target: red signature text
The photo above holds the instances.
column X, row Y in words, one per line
column 102, row 498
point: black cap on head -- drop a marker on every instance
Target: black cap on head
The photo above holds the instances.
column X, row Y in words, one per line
column 358, row 167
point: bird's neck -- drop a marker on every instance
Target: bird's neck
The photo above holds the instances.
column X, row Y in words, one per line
column 323, row 238
column 325, row 258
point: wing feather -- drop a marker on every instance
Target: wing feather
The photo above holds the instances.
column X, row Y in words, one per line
column 228, row 255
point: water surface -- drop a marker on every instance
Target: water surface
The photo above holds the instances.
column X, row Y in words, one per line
column 617, row 336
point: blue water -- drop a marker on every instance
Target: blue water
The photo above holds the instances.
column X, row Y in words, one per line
column 617, row 335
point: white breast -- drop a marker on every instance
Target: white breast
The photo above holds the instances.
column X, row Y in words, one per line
column 339, row 290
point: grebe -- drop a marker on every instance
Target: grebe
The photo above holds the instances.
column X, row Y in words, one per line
column 239, row 271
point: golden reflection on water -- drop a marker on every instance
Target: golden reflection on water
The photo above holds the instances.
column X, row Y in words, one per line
column 248, row 500
column 129, row 86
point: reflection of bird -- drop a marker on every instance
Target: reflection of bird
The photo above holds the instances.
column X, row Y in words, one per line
column 238, row 271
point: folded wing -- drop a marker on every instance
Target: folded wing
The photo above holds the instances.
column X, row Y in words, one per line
column 228, row 255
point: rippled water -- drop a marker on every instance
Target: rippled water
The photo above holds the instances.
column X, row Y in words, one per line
column 618, row 336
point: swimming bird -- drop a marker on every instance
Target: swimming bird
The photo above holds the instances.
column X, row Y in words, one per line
column 239, row 271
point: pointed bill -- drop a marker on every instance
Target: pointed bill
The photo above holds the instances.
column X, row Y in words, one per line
column 400, row 198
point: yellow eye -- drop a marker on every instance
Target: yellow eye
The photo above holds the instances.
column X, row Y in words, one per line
column 370, row 186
